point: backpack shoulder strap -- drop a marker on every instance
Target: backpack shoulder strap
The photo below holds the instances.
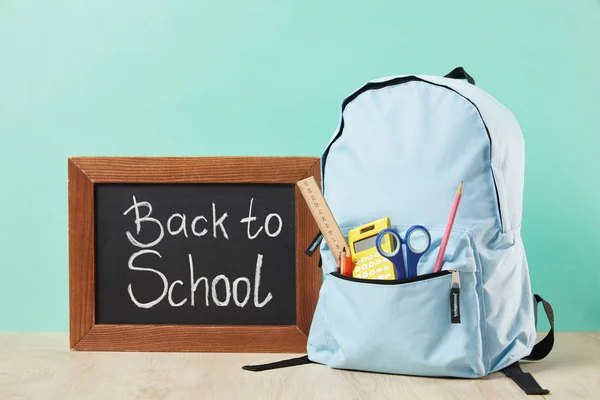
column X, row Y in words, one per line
column 544, row 347
column 525, row 380
column 292, row 362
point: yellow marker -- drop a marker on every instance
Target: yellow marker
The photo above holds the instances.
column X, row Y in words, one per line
column 367, row 263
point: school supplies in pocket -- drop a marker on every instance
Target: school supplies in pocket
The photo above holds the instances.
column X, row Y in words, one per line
column 417, row 240
column 453, row 210
column 367, row 261
column 477, row 315
column 322, row 215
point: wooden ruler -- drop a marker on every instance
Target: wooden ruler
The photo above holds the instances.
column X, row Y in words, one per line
column 322, row 214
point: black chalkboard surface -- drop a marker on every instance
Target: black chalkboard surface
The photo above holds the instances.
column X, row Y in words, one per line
column 217, row 254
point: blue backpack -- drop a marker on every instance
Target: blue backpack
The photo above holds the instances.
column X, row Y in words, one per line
column 402, row 147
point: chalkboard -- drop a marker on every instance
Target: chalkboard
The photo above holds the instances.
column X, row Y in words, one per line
column 217, row 254
column 190, row 254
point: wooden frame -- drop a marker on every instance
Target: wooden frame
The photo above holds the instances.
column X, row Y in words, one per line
column 85, row 334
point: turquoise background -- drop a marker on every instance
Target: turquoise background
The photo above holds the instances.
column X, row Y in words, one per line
column 266, row 78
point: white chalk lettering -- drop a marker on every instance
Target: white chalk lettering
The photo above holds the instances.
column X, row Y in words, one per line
column 194, row 222
column 227, row 290
column 249, row 220
column 218, row 222
column 240, row 290
column 257, row 303
column 235, row 291
column 138, row 222
column 181, row 225
column 160, row 274
column 278, row 227
column 170, row 296
column 197, row 282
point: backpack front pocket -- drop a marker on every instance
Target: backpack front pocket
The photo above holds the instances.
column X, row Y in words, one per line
column 406, row 327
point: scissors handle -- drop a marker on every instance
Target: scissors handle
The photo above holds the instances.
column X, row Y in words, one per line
column 413, row 254
column 395, row 252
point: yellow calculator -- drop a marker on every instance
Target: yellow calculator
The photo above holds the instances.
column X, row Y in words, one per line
column 367, row 263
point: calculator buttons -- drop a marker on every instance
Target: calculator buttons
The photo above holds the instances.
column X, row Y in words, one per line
column 364, row 259
column 386, row 267
column 357, row 269
column 357, row 262
column 370, row 257
column 377, row 255
column 380, row 270
column 365, row 274
column 378, row 262
column 371, row 264
column 364, row 267
column 387, row 276
column 372, row 272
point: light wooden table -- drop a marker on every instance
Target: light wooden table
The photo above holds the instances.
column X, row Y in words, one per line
column 41, row 366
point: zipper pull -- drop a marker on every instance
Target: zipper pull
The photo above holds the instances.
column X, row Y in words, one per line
column 455, row 298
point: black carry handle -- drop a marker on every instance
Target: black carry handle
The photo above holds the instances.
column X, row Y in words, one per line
column 524, row 379
column 460, row 73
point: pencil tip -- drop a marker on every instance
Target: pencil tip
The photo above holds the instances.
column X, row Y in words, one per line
column 460, row 187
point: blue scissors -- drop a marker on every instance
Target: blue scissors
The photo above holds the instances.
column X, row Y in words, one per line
column 417, row 242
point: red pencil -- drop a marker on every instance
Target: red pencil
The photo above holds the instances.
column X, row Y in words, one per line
column 440, row 257
column 348, row 266
column 347, row 263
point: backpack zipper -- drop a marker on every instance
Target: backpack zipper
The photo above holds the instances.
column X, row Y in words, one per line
column 455, row 298
column 391, row 282
column 399, row 81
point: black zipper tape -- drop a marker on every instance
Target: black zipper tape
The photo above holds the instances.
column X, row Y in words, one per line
column 394, row 82
column 314, row 245
column 389, row 282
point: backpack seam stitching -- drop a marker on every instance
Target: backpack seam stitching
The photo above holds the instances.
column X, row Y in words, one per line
column 483, row 324
column 513, row 228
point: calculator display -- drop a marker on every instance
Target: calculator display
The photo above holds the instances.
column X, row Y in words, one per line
column 366, row 243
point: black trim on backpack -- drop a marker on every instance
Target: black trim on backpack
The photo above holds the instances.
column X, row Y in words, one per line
column 460, row 73
column 525, row 380
column 399, row 81
column 396, row 282
column 292, row 362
